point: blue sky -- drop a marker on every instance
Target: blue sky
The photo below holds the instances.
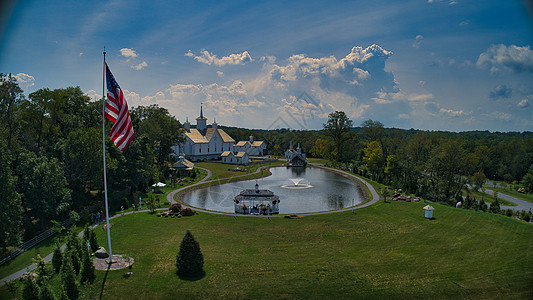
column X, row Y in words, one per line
column 431, row 65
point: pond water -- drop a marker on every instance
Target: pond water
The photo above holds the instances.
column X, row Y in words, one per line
column 301, row 190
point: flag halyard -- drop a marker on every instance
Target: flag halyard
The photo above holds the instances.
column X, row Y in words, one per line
column 116, row 110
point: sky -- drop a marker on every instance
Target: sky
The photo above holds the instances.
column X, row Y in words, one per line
column 423, row 64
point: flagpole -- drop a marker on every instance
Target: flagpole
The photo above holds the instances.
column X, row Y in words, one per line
column 105, row 170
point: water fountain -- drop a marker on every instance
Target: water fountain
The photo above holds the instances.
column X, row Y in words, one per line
column 297, row 183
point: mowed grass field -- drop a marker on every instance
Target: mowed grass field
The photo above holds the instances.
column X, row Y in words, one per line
column 388, row 250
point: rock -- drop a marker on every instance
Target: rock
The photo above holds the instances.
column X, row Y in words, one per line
column 101, row 253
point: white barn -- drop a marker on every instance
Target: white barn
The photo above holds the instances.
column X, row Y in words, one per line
column 233, row 157
column 202, row 143
column 253, row 148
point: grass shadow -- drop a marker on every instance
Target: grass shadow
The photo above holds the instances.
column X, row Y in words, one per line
column 103, row 282
column 192, row 277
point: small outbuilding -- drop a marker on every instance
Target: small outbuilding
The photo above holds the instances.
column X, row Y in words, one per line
column 428, row 211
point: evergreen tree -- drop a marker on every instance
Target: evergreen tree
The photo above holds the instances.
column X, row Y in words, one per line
column 57, row 259
column 30, row 290
column 482, row 205
column 93, row 240
column 495, row 206
column 190, row 260
column 68, row 278
column 87, row 268
column 46, row 293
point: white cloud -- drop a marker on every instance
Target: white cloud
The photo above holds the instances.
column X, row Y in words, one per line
column 512, row 59
column 418, row 41
column 220, row 74
column 403, row 116
column 127, row 52
column 81, row 53
column 140, row 66
column 94, row 95
column 463, row 23
column 211, row 59
column 451, row 112
column 24, row 80
column 422, row 83
column 524, row 103
column 420, row 97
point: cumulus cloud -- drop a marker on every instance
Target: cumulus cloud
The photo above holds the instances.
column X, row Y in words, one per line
column 211, row 59
column 140, row 66
column 24, row 80
column 512, row 59
column 94, row 95
column 220, row 74
column 127, row 52
column 500, row 92
column 403, row 116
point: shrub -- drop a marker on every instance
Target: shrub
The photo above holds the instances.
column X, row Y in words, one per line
column 87, row 268
column 56, row 259
column 495, row 206
column 68, row 278
column 30, row 290
column 187, row 212
column 190, row 260
column 175, row 208
column 46, row 293
column 509, row 212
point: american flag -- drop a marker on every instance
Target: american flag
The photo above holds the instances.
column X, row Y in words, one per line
column 116, row 110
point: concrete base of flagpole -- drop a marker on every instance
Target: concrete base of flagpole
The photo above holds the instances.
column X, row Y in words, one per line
column 117, row 263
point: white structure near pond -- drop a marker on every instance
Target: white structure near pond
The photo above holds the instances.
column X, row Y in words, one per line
column 234, row 157
column 428, row 211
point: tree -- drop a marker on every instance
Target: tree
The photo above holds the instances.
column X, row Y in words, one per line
column 190, row 260
column 43, row 184
column 30, row 289
column 495, row 206
column 478, row 180
column 373, row 158
column 87, row 268
column 527, row 180
column 68, row 278
column 57, row 259
column 373, row 130
column 337, row 128
column 10, row 98
column 46, row 293
column 10, row 202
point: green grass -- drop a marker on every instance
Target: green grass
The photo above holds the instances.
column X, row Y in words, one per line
column 488, row 197
column 388, row 250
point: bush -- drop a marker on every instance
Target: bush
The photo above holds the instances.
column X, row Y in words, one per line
column 68, row 278
column 87, row 268
column 509, row 212
column 495, row 206
column 46, row 293
column 30, row 290
column 175, row 208
column 190, row 260
column 187, row 212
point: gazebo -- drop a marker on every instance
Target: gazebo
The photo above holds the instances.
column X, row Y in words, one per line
column 256, row 202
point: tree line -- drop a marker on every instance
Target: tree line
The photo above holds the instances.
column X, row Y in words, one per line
column 435, row 164
column 51, row 156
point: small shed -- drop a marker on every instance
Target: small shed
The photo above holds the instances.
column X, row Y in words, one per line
column 428, row 211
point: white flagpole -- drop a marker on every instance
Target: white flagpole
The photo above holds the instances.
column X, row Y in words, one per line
column 105, row 170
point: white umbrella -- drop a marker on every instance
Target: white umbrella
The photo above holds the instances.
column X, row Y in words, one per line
column 159, row 184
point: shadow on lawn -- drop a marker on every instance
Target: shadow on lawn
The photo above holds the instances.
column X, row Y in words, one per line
column 192, row 277
column 103, row 282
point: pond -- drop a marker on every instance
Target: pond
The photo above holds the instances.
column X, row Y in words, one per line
column 301, row 190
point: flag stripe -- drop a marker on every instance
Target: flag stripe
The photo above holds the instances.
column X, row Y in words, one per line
column 116, row 110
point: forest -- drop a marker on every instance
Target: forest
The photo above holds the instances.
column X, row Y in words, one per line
column 51, row 156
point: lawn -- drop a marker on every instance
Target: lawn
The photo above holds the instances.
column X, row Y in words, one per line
column 511, row 192
column 387, row 250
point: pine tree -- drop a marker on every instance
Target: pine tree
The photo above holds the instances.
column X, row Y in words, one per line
column 68, row 277
column 46, row 293
column 87, row 268
column 495, row 206
column 93, row 241
column 57, row 259
column 190, row 260
column 30, row 290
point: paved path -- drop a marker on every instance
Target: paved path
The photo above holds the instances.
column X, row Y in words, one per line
column 170, row 198
column 520, row 204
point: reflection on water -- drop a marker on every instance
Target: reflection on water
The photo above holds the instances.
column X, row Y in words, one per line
column 327, row 191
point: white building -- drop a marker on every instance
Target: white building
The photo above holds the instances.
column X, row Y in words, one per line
column 202, row 143
column 295, row 157
column 234, row 157
column 253, row 148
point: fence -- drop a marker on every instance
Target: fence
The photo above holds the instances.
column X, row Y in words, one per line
column 39, row 238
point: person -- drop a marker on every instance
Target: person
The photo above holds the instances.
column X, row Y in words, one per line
column 94, row 218
column 133, row 205
column 102, row 216
column 122, row 210
column 98, row 217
